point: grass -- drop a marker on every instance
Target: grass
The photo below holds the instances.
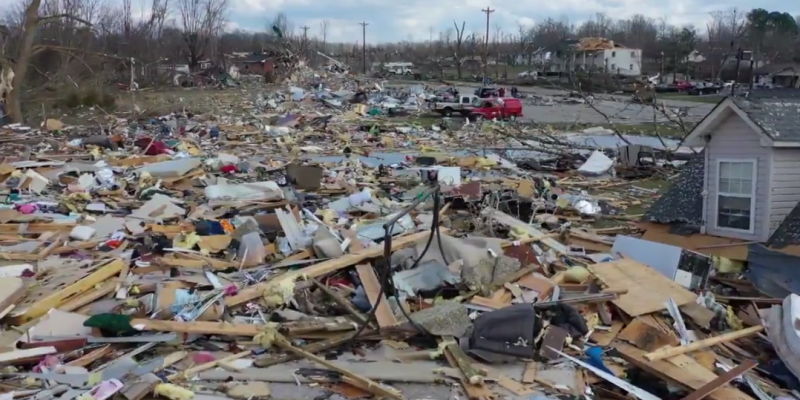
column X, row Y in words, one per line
column 710, row 99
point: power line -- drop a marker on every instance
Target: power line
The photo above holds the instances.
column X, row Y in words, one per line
column 364, row 45
column 488, row 12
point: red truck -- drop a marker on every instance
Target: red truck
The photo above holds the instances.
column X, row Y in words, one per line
column 501, row 108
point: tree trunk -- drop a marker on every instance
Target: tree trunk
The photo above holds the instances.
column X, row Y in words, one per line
column 458, row 68
column 30, row 24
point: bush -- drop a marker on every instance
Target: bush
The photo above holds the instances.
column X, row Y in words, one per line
column 71, row 100
column 88, row 97
column 91, row 97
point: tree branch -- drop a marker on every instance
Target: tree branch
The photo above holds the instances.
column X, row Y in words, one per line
column 48, row 18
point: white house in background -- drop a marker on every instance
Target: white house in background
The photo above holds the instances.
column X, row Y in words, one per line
column 622, row 61
column 598, row 55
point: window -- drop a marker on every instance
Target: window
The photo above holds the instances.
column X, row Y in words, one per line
column 633, row 54
column 613, row 54
column 736, row 188
column 631, row 68
column 613, row 66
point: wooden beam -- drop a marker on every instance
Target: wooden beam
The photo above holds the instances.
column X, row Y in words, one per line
column 326, row 267
column 668, row 352
column 721, row 380
column 372, row 288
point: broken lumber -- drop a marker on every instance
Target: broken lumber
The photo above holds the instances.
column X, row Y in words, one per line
column 667, row 352
column 325, row 267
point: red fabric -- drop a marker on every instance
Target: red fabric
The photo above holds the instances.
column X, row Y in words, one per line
column 153, row 150
column 228, row 169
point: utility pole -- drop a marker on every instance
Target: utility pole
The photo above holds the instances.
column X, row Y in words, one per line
column 488, row 12
column 305, row 35
column 364, row 45
column 739, row 54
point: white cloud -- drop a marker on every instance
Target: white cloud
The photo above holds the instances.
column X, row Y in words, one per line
column 399, row 20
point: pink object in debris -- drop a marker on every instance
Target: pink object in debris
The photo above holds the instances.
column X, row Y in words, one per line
column 231, row 290
column 202, row 357
column 28, row 208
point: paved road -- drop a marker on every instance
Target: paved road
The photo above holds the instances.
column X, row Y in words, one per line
column 618, row 111
column 615, row 107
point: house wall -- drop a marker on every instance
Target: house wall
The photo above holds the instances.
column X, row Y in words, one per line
column 785, row 188
column 256, row 68
column 734, row 139
column 615, row 61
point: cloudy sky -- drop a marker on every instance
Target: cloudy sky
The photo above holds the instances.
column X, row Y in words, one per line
column 418, row 20
column 414, row 19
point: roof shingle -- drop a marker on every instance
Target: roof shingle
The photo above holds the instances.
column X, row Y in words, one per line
column 775, row 111
column 683, row 201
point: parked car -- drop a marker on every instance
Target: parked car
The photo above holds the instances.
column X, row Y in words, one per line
column 701, row 88
column 461, row 105
column 528, row 74
column 684, row 86
column 666, row 88
column 501, row 108
column 486, row 92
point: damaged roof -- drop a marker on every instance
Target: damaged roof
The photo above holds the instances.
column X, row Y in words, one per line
column 776, row 112
column 788, row 232
column 683, row 201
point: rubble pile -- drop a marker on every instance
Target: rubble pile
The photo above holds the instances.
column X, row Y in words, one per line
column 314, row 243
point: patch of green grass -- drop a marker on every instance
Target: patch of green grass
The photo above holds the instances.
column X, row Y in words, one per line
column 685, row 97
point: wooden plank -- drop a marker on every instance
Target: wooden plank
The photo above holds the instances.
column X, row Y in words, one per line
column 199, row 327
column 372, row 288
column 553, row 339
column 512, row 222
column 326, row 267
column 63, row 286
column 647, row 290
column 668, row 352
column 11, row 356
column 681, row 370
column 529, row 375
column 723, row 379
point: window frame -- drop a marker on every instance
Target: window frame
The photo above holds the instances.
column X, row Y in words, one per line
column 752, row 196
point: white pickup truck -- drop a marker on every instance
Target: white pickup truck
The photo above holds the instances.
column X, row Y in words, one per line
column 463, row 106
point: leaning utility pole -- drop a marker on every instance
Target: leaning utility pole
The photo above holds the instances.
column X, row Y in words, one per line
column 305, row 36
column 488, row 12
column 364, row 45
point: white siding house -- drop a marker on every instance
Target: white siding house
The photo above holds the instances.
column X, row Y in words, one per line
column 622, row 61
column 752, row 164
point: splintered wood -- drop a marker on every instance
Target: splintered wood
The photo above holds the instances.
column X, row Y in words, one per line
column 680, row 369
column 61, row 285
column 647, row 290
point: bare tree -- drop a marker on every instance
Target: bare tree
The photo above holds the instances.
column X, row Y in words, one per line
column 30, row 24
column 456, row 47
column 201, row 21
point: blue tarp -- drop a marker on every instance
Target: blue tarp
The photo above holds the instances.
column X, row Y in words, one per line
column 772, row 273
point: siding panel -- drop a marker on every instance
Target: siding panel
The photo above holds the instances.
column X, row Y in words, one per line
column 734, row 139
column 785, row 188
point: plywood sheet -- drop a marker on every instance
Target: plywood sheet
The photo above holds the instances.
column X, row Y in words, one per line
column 648, row 290
column 11, row 290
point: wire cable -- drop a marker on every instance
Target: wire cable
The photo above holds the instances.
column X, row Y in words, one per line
column 386, row 276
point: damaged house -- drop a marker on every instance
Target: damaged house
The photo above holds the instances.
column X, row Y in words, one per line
column 738, row 198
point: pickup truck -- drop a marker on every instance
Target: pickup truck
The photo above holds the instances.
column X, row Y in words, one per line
column 462, row 106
